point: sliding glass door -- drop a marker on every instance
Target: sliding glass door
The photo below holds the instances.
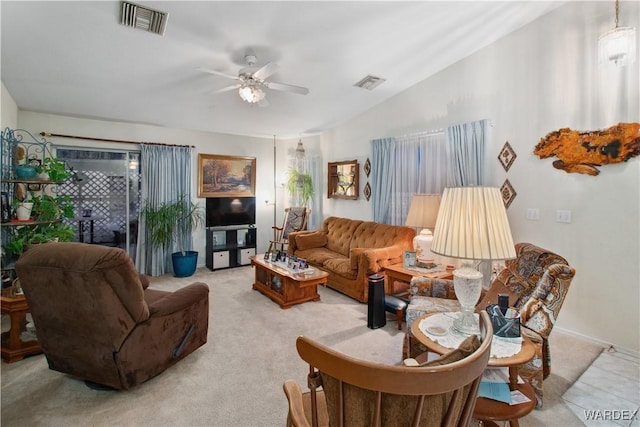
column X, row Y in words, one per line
column 105, row 191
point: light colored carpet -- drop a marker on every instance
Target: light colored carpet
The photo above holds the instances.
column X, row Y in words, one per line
column 236, row 378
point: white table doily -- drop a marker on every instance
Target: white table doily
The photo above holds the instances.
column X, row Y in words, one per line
column 500, row 347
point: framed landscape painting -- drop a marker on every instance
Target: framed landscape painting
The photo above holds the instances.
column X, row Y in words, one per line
column 226, row 176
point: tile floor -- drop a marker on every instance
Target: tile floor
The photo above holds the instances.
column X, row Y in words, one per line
column 608, row 392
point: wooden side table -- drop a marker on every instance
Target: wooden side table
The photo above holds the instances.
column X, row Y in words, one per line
column 488, row 410
column 397, row 272
column 13, row 348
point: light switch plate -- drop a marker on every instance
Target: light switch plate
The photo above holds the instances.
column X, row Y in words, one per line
column 563, row 216
column 533, row 214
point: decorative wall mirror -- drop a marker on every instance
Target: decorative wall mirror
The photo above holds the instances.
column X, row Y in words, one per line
column 343, row 180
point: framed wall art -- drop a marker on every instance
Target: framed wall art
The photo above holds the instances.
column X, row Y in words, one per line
column 226, row 176
column 507, row 156
column 508, row 193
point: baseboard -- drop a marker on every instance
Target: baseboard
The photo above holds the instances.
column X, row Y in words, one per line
column 606, row 345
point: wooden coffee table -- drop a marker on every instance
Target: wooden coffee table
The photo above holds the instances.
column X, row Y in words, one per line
column 284, row 286
column 489, row 410
column 13, row 348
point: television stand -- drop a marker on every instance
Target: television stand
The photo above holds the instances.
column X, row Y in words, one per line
column 230, row 246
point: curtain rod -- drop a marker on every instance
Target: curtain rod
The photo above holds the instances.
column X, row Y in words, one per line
column 47, row 134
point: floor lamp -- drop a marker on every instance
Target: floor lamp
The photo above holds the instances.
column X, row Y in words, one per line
column 472, row 225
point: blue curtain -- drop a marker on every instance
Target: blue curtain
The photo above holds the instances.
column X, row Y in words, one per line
column 465, row 148
column 382, row 165
column 165, row 175
column 420, row 168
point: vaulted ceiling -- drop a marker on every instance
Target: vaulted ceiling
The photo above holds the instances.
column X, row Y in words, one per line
column 74, row 58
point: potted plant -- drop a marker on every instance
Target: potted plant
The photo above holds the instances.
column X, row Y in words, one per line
column 25, row 171
column 50, row 208
column 300, row 185
column 23, row 209
column 173, row 222
column 54, row 169
column 43, row 233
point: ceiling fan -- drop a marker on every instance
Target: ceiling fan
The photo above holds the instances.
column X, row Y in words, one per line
column 252, row 82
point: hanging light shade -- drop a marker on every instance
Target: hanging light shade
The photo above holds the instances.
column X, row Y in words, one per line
column 300, row 153
column 617, row 45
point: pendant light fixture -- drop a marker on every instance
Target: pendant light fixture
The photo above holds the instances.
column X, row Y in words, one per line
column 617, row 45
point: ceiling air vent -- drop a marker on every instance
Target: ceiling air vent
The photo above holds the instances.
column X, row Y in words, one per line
column 370, row 82
column 141, row 17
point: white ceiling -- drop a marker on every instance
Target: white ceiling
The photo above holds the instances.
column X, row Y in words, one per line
column 74, row 58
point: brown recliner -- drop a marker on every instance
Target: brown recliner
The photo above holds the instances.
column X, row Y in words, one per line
column 96, row 319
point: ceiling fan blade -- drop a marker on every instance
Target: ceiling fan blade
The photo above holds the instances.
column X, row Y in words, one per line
column 218, row 73
column 266, row 71
column 287, row 88
column 263, row 102
column 226, row 89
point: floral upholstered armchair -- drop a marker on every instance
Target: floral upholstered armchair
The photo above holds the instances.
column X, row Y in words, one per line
column 537, row 281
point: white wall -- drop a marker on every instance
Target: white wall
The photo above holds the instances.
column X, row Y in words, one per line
column 539, row 79
column 204, row 142
column 8, row 110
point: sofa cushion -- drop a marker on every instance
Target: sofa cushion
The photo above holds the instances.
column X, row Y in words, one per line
column 375, row 235
column 312, row 239
column 341, row 266
column 317, row 256
column 340, row 232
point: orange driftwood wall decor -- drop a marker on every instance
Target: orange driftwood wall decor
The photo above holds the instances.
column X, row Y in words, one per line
column 581, row 152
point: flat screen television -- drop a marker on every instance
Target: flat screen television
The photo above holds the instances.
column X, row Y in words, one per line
column 222, row 211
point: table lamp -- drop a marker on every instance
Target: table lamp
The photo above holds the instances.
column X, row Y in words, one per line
column 422, row 214
column 472, row 225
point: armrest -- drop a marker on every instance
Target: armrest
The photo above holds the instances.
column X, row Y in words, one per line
column 144, row 279
column 372, row 260
column 179, row 300
column 296, row 405
column 541, row 300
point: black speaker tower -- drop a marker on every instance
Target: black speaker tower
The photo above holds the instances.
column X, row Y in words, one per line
column 376, row 317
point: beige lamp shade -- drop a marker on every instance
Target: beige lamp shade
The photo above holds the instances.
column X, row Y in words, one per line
column 423, row 211
column 472, row 224
column 422, row 214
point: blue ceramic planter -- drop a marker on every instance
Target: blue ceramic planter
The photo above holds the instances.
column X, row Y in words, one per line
column 184, row 266
column 25, row 172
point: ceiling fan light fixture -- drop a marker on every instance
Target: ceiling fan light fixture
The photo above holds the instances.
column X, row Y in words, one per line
column 251, row 93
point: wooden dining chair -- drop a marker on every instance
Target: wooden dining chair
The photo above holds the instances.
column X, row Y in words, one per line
column 356, row 392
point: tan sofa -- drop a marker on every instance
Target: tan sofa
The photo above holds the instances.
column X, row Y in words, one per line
column 351, row 250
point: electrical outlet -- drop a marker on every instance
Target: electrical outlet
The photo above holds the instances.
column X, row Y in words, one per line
column 563, row 216
column 533, row 214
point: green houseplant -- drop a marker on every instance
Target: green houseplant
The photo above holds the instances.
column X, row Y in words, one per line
column 43, row 233
column 54, row 168
column 300, row 184
column 50, row 208
column 173, row 222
